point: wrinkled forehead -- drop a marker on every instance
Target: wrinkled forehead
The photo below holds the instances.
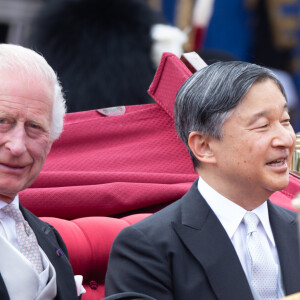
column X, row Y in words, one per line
column 22, row 80
column 28, row 91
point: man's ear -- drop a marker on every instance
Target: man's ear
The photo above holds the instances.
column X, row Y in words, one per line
column 200, row 146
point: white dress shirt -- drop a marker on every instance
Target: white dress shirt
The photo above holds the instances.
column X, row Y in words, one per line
column 8, row 225
column 8, row 231
column 231, row 215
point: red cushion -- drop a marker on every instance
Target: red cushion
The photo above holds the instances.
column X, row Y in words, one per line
column 89, row 241
column 284, row 198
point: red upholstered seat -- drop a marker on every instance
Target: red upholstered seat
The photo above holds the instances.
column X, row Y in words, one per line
column 284, row 198
column 89, row 241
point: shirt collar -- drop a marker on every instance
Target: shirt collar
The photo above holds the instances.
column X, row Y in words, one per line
column 14, row 202
column 229, row 213
column 263, row 213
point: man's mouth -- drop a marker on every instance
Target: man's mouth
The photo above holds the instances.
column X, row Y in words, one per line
column 12, row 167
column 278, row 162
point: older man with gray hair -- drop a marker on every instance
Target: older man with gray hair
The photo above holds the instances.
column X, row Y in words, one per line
column 33, row 257
column 223, row 239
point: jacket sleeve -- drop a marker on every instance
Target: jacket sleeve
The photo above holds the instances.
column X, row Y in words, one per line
column 137, row 265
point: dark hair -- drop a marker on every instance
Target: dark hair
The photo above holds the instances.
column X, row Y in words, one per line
column 207, row 98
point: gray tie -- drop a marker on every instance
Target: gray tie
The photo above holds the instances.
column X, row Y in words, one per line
column 26, row 238
column 264, row 270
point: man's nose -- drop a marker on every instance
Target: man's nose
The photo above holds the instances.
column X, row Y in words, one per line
column 16, row 140
column 284, row 136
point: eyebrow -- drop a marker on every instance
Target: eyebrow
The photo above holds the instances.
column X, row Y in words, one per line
column 4, row 114
column 264, row 113
column 41, row 123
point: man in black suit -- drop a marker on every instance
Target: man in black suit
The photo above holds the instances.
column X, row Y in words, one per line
column 33, row 257
column 233, row 118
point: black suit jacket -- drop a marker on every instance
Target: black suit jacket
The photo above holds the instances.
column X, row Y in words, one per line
column 183, row 252
column 50, row 241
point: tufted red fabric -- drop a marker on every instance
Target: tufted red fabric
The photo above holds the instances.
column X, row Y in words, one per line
column 284, row 198
column 89, row 241
column 110, row 165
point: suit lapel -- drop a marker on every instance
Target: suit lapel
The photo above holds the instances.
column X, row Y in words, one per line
column 3, row 290
column 285, row 232
column 48, row 242
column 206, row 239
column 41, row 231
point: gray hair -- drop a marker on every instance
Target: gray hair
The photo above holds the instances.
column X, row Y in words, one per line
column 27, row 62
column 207, row 98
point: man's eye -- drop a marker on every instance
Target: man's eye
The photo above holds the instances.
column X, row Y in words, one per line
column 33, row 126
column 263, row 126
column 286, row 121
column 3, row 121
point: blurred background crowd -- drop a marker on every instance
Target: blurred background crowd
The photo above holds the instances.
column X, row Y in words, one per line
column 106, row 51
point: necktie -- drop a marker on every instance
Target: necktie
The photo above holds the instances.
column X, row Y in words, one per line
column 26, row 238
column 264, row 270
